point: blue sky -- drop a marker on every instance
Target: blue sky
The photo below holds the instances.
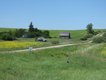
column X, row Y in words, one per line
column 53, row 14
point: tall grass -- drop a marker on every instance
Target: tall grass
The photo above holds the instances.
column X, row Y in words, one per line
column 51, row 64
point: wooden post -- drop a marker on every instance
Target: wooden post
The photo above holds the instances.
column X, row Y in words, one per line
column 30, row 49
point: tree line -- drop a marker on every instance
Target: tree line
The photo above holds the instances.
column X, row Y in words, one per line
column 25, row 33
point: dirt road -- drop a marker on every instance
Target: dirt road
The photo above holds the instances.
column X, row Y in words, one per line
column 35, row 49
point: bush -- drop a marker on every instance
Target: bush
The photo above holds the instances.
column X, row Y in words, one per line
column 19, row 32
column 55, row 42
column 104, row 37
column 84, row 38
column 87, row 36
column 98, row 40
column 8, row 37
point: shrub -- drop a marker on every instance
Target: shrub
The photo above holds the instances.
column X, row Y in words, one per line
column 8, row 37
column 83, row 38
column 55, row 42
column 98, row 40
column 19, row 32
column 46, row 34
column 87, row 36
column 104, row 37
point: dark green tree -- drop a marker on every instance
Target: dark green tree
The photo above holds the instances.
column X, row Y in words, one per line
column 46, row 34
column 19, row 32
column 31, row 27
column 90, row 29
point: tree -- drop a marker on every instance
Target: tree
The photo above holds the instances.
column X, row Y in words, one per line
column 90, row 29
column 31, row 28
column 19, row 32
column 46, row 34
column 8, row 36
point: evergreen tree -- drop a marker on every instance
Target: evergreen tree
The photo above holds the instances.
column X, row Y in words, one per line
column 31, row 28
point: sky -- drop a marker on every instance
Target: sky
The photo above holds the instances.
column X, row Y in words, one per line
column 53, row 14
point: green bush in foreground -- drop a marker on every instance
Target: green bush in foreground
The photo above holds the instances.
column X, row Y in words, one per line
column 55, row 42
column 98, row 40
column 87, row 36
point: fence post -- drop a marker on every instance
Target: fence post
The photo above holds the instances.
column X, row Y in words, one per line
column 30, row 49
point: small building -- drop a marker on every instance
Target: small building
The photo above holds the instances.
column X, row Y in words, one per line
column 65, row 35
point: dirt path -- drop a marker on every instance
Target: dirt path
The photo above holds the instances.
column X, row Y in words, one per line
column 35, row 49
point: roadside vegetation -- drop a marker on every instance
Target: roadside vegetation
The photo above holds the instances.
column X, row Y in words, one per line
column 19, row 33
column 78, row 62
column 84, row 61
column 15, row 45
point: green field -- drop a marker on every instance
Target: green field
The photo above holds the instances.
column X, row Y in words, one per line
column 78, row 62
column 86, row 62
column 15, row 45
column 75, row 34
column 6, row 29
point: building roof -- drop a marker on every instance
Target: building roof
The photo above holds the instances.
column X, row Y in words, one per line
column 64, row 34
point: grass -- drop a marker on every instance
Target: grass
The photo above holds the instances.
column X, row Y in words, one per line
column 86, row 62
column 6, row 29
column 75, row 34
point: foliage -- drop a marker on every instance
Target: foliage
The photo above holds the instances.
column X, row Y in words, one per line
column 104, row 34
column 54, row 41
column 83, row 38
column 51, row 64
column 34, row 32
column 18, row 44
column 9, row 36
column 98, row 39
column 19, row 32
column 31, row 27
column 30, row 35
column 87, row 36
column 90, row 32
column 46, row 34
column 89, row 29
column 104, row 37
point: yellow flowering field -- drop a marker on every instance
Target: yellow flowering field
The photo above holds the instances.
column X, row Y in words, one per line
column 17, row 44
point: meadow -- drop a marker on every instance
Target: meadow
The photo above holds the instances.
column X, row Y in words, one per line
column 78, row 62
column 6, row 29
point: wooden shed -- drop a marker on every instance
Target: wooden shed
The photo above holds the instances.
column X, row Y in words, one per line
column 65, row 35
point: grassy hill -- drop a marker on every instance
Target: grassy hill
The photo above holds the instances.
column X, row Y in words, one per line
column 75, row 34
column 6, row 29
column 78, row 62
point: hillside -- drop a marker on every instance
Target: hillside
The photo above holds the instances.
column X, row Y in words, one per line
column 75, row 34
column 79, row 62
column 6, row 29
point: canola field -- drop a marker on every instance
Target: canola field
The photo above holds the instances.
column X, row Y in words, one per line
column 18, row 45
